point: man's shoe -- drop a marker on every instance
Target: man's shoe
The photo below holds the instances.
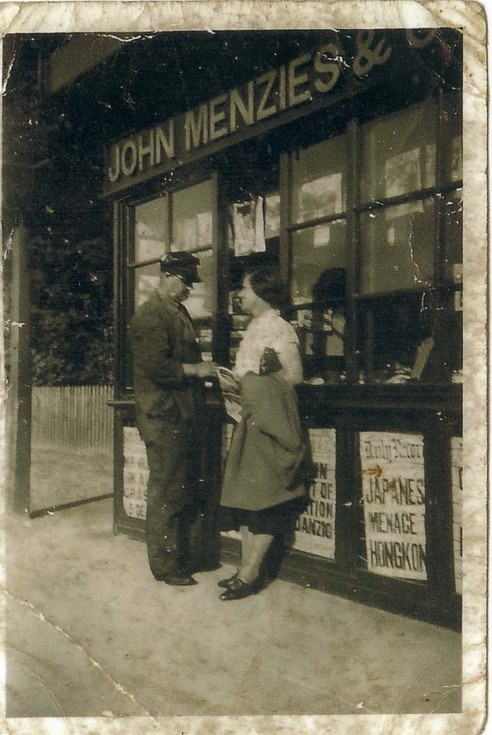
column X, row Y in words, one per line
column 177, row 580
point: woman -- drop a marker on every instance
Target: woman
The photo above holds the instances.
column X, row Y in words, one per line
column 262, row 492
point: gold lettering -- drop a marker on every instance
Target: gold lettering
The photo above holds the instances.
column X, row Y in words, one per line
column 237, row 103
column 196, row 131
column 145, row 150
column 282, row 96
column 128, row 167
column 263, row 111
column 114, row 173
column 327, row 67
column 295, row 79
column 420, row 38
column 164, row 143
column 217, row 117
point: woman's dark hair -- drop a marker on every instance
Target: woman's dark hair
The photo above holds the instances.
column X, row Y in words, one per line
column 267, row 284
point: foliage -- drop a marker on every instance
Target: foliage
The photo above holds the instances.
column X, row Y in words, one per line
column 71, row 317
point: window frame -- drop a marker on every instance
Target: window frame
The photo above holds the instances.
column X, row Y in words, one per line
column 359, row 363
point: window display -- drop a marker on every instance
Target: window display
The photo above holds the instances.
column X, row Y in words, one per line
column 398, row 247
column 399, row 152
column 319, row 180
column 189, row 228
column 151, row 225
column 192, row 223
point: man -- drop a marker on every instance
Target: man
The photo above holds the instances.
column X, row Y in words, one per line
column 168, row 373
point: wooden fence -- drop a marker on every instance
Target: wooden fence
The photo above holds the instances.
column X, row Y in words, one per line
column 74, row 417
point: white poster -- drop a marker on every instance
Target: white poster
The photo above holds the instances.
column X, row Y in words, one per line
column 248, row 226
column 135, row 474
column 393, row 495
column 315, row 529
column 457, row 489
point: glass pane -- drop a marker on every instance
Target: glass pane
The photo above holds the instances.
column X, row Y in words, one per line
column 146, row 280
column 399, row 153
column 319, row 180
column 453, row 237
column 200, row 300
column 151, row 229
column 398, row 247
column 400, row 325
column 193, row 217
column 453, row 155
column 315, row 252
column 272, row 215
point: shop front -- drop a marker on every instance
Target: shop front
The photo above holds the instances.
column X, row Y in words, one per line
column 342, row 166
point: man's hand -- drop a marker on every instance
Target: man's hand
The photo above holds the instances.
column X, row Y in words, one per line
column 200, row 369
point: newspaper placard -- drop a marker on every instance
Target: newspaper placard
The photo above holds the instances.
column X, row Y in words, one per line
column 315, row 529
column 393, row 495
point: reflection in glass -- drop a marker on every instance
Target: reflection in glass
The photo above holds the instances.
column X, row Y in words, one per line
column 151, row 222
column 192, row 217
column 398, row 247
column 399, row 153
column 315, row 250
column 272, row 215
column 319, row 180
column 453, row 237
column 199, row 301
column 146, row 280
column 453, row 155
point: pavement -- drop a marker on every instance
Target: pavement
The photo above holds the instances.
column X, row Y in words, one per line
column 91, row 634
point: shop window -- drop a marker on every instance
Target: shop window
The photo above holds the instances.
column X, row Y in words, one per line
column 410, row 250
column 452, row 208
column 397, row 247
column 151, row 238
column 453, row 151
column 151, row 229
column 318, row 256
column 192, row 230
column 315, row 251
column 319, row 180
column 146, row 280
column 192, row 219
column 399, row 153
column 177, row 221
column 251, row 205
column 401, row 338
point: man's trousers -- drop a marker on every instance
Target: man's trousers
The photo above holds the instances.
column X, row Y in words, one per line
column 176, row 496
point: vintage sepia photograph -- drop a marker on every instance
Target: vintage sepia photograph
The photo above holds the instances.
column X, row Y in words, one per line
column 234, row 359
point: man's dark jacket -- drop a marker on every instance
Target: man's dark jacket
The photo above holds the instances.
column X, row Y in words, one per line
column 162, row 338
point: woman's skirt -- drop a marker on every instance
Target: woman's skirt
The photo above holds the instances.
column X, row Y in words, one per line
column 275, row 521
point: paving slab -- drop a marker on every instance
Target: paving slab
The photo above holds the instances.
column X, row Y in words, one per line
column 89, row 632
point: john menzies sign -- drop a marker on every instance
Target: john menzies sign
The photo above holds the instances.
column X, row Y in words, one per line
column 241, row 112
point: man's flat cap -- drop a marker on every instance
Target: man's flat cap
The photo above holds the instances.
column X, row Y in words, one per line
column 181, row 264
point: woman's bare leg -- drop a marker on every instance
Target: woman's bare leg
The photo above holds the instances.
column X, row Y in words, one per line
column 258, row 545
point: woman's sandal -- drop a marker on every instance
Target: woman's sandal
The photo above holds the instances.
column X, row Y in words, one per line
column 226, row 583
column 238, row 589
